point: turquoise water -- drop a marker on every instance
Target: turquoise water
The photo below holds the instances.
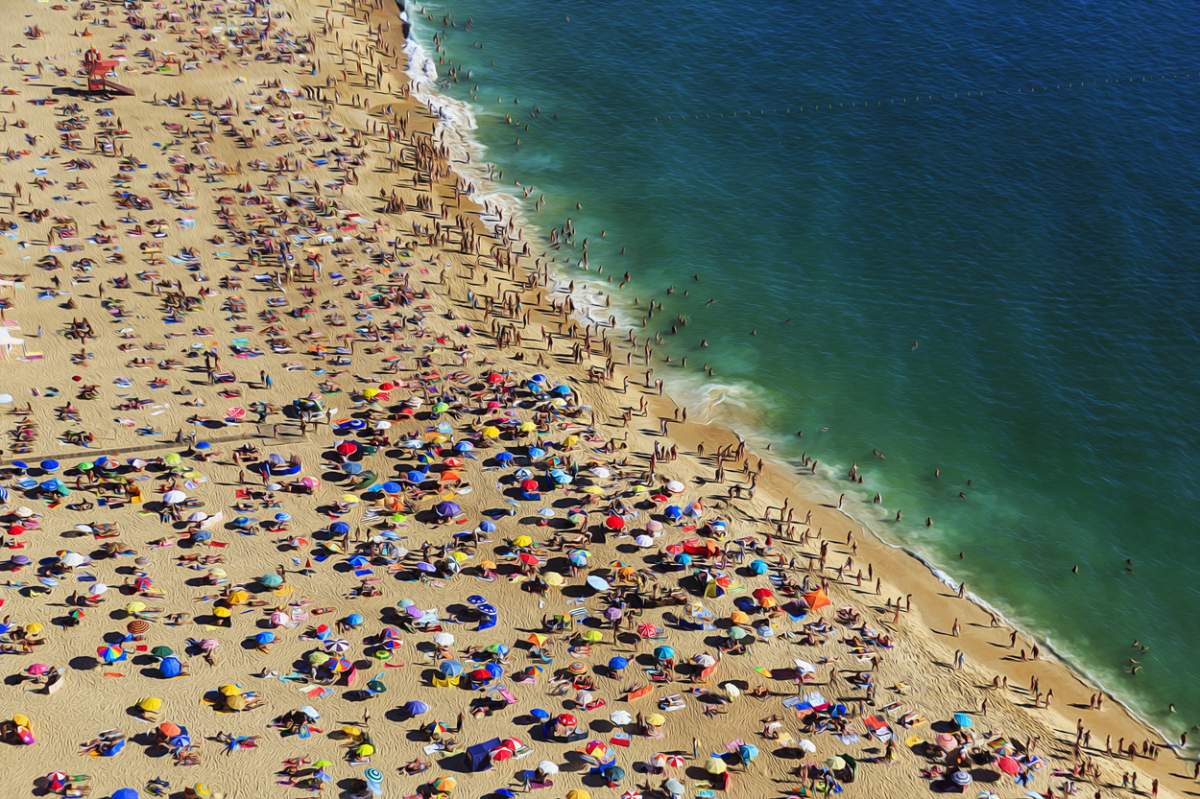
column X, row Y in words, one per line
column 1037, row 247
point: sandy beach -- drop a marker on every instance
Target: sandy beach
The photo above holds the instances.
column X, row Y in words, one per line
column 317, row 483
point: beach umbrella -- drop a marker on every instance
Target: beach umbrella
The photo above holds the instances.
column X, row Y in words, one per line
column 150, row 704
column 664, row 652
column 946, row 741
column 271, row 580
column 1009, row 765
column 443, row 639
column 963, row 721
column 620, row 717
column 49, row 465
column 578, row 793
column 415, row 707
column 174, row 497
column 674, row 787
column 125, row 793
column 547, row 767
column 337, row 645
column 613, row 773
column 747, row 753
column 597, row 583
column 111, row 654
column 614, row 523
column 137, row 627
column 264, row 638
column 445, row 784
column 447, row 509
column 738, row 633
column 805, row 745
column 656, row 720
column 962, row 778
column 835, row 763
column 72, row 559
column 451, row 668
column 617, row 663
column 715, row 765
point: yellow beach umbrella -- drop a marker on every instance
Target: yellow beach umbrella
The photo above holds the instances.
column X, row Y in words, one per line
column 523, row 541
column 151, row 704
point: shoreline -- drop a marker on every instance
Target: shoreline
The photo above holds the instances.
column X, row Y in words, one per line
column 829, row 484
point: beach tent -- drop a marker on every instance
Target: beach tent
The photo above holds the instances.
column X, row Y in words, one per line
column 817, row 599
column 479, row 757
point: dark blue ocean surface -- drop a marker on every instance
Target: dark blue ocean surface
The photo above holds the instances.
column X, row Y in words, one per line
column 1003, row 285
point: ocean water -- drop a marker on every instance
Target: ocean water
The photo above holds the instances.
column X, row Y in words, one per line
column 963, row 235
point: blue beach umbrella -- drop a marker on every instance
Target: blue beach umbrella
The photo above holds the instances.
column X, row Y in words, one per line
column 415, row 707
column 759, row 567
column 50, row 465
column 170, row 667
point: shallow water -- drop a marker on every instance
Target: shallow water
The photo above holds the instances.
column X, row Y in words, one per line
column 1003, row 286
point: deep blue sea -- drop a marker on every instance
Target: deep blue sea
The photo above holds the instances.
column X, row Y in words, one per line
column 964, row 234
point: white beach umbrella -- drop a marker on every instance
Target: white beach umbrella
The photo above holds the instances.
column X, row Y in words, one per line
column 174, row 497
column 72, row 559
column 620, row 717
column 805, row 745
column 443, row 639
